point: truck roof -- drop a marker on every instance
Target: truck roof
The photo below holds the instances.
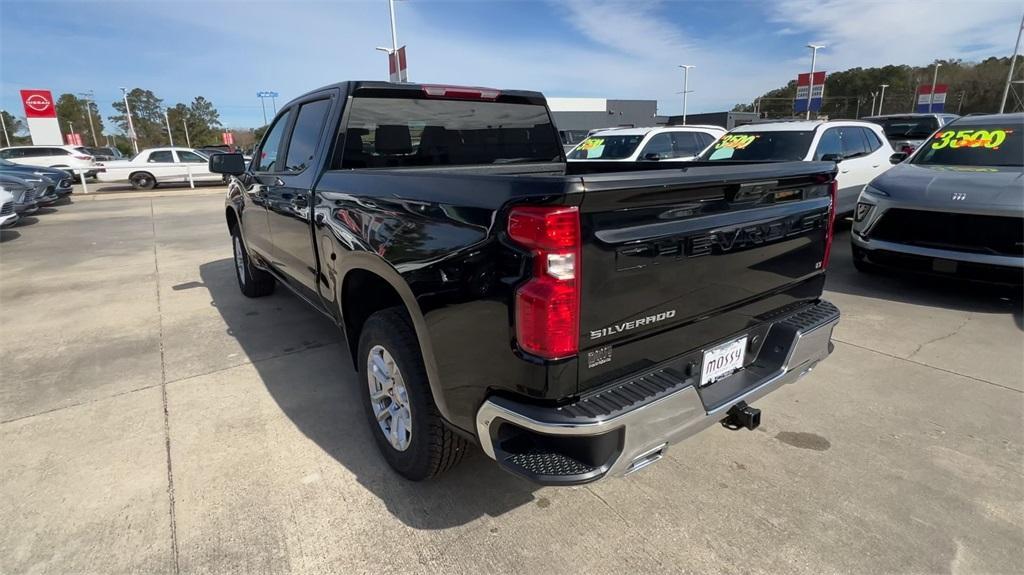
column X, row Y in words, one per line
column 447, row 91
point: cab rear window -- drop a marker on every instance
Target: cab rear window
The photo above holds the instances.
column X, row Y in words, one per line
column 404, row 132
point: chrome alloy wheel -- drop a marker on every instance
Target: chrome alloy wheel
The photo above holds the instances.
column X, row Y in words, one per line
column 240, row 260
column 389, row 398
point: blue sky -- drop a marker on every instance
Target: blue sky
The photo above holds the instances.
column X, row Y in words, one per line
column 228, row 50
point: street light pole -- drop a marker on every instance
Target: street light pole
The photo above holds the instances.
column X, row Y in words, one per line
column 188, row 140
column 1013, row 61
column 394, row 32
column 88, row 97
column 874, row 96
column 167, row 122
column 3, row 122
column 686, row 86
column 935, row 78
column 881, row 99
column 131, row 125
column 810, row 89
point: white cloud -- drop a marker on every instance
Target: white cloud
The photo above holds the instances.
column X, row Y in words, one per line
column 876, row 33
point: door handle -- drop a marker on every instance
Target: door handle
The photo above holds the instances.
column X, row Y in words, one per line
column 875, row 165
column 278, row 182
column 300, row 202
column 844, row 171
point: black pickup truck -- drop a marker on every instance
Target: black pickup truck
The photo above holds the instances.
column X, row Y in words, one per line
column 572, row 319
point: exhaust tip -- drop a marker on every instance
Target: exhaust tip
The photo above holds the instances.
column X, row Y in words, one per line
column 742, row 416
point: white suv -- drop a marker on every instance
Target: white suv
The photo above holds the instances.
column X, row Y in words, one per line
column 859, row 148
column 670, row 143
column 74, row 157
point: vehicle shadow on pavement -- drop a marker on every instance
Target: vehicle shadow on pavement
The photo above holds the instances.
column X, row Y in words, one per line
column 9, row 235
column 322, row 401
column 919, row 289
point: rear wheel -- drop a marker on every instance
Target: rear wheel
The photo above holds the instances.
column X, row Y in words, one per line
column 142, row 181
column 400, row 409
column 252, row 281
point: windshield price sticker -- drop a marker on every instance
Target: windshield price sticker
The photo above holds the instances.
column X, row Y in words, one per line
column 591, row 143
column 990, row 139
column 735, row 141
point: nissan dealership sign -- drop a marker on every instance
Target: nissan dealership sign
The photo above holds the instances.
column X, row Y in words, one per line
column 41, row 114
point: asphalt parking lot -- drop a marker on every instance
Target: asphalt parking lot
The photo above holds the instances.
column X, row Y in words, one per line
column 153, row 420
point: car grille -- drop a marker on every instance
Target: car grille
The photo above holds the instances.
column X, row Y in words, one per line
column 7, row 209
column 997, row 235
column 30, row 196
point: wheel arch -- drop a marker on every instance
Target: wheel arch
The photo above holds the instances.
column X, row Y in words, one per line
column 369, row 285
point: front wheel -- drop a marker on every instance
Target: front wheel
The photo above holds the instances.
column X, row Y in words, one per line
column 252, row 281
column 400, row 409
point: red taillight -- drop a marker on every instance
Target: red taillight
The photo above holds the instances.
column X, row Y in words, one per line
column 83, row 157
column 907, row 149
column 461, row 92
column 833, row 190
column 548, row 305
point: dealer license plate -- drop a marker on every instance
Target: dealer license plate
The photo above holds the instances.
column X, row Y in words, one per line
column 723, row 360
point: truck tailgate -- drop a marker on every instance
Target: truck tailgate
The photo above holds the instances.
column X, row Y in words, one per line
column 678, row 260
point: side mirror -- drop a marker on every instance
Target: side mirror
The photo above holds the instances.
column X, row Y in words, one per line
column 231, row 164
column 898, row 157
column 653, row 157
column 832, row 158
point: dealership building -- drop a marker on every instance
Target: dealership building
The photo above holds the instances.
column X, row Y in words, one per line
column 590, row 113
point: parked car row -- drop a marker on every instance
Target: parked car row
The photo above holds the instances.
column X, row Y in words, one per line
column 26, row 188
column 932, row 193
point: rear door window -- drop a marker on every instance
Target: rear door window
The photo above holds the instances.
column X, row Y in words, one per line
column 685, row 144
column 187, row 157
column 854, row 144
column 309, row 126
column 161, row 157
column 660, row 146
column 872, row 139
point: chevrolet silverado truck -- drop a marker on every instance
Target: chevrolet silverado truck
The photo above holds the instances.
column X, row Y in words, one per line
column 571, row 319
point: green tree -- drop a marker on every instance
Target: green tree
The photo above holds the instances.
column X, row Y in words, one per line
column 147, row 116
column 76, row 111
column 973, row 87
column 17, row 130
column 178, row 118
column 203, row 122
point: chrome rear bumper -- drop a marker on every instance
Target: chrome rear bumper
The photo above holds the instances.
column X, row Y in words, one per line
column 628, row 425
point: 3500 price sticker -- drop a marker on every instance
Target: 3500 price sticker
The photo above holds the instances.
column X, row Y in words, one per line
column 991, row 139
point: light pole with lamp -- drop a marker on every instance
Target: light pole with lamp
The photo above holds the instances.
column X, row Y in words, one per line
column 931, row 96
column 881, row 98
column 3, row 122
column 131, row 125
column 686, row 86
column 88, row 97
column 167, row 122
column 810, row 89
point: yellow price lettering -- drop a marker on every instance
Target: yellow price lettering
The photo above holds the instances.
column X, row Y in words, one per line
column 970, row 139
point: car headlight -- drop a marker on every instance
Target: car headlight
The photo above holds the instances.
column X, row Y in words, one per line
column 873, row 191
column 862, row 211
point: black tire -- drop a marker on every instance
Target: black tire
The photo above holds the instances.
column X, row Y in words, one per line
column 252, row 281
column 432, row 446
column 142, row 181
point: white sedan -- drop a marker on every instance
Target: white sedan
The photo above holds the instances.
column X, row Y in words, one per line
column 160, row 165
column 666, row 144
